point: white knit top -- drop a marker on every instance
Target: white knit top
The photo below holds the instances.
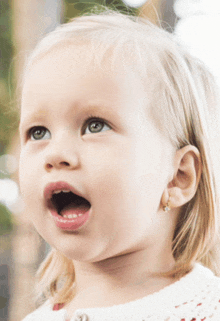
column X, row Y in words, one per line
column 195, row 297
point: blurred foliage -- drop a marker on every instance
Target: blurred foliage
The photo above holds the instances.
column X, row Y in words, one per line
column 74, row 8
column 5, row 220
column 7, row 117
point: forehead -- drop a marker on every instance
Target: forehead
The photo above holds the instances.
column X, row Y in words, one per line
column 69, row 61
column 73, row 74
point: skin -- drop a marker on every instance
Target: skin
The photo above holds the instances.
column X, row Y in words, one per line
column 125, row 171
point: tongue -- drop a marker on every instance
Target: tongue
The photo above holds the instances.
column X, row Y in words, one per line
column 72, row 208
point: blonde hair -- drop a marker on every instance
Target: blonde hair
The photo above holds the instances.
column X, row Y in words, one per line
column 185, row 111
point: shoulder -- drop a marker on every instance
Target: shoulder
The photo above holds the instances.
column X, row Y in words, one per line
column 45, row 313
column 204, row 280
column 203, row 296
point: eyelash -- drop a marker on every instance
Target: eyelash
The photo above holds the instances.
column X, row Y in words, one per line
column 88, row 121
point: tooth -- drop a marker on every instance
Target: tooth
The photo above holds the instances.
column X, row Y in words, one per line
column 65, row 190
column 57, row 191
column 70, row 216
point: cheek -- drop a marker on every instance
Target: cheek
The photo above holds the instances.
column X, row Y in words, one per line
column 23, row 169
column 127, row 179
column 148, row 197
column 29, row 181
column 149, row 177
column 28, row 174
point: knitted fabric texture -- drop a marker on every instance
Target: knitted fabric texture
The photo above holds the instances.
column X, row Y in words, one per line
column 195, row 297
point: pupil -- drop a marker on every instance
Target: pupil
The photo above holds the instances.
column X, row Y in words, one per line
column 39, row 133
column 96, row 126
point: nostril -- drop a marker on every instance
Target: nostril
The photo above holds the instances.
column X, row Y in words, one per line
column 49, row 166
column 61, row 164
column 65, row 163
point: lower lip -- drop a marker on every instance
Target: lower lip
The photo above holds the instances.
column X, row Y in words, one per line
column 70, row 224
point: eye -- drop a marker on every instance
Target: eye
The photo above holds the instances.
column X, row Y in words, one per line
column 96, row 126
column 39, row 133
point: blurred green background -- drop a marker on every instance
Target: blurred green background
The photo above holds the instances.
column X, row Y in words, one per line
column 7, row 117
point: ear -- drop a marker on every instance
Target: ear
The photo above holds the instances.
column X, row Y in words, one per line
column 187, row 174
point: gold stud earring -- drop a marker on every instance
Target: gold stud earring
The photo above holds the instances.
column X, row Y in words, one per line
column 167, row 207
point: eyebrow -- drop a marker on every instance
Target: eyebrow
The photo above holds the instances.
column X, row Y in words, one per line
column 32, row 117
column 93, row 107
column 101, row 107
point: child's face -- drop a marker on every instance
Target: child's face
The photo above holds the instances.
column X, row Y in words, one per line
column 120, row 165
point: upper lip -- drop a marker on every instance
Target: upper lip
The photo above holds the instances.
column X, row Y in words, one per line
column 52, row 187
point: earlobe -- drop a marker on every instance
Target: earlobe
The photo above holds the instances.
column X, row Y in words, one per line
column 187, row 174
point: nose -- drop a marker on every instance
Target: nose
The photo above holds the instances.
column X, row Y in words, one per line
column 61, row 156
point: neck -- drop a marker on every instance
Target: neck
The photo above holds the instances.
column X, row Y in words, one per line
column 121, row 279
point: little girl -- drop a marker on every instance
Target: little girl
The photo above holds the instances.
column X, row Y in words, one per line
column 117, row 130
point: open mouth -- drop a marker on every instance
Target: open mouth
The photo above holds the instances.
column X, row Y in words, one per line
column 69, row 205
